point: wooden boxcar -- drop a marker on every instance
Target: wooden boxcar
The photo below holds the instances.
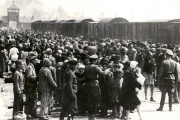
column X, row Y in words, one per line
column 46, row 25
column 56, row 28
column 92, row 29
column 52, row 26
column 62, row 27
column 33, row 25
column 38, row 25
column 106, row 27
column 81, row 27
column 70, row 28
column 157, row 32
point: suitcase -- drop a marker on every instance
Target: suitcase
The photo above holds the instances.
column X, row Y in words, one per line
column 8, row 80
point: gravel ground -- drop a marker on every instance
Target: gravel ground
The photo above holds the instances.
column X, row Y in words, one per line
column 148, row 108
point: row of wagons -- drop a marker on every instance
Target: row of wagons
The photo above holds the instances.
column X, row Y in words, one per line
column 88, row 28
column 115, row 28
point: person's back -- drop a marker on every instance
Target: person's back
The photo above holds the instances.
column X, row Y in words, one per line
column 13, row 53
column 43, row 84
column 167, row 79
column 91, row 72
column 168, row 68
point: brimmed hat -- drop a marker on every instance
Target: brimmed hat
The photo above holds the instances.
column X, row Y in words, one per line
column 73, row 61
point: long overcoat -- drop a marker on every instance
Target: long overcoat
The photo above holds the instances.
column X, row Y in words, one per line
column 129, row 99
column 3, row 60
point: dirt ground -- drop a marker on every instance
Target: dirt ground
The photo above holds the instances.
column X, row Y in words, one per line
column 148, row 108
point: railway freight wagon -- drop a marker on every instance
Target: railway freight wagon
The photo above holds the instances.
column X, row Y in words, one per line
column 56, row 28
column 63, row 30
column 46, row 25
column 52, row 26
column 106, row 27
column 70, row 28
column 157, row 32
column 36, row 25
column 81, row 27
column 92, row 30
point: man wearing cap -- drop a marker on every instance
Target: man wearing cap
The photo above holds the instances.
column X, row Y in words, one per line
column 92, row 85
column 31, row 85
column 167, row 79
column 70, row 89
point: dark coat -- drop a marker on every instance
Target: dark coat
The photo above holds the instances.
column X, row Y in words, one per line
column 46, row 82
column 3, row 60
column 168, row 73
column 70, row 90
column 129, row 99
column 116, row 89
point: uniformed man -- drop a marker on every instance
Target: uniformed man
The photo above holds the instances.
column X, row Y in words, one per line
column 92, row 85
column 70, row 99
column 167, row 79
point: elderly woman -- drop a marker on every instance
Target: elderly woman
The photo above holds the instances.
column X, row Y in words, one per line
column 18, row 87
column 45, row 85
column 129, row 99
column 81, row 95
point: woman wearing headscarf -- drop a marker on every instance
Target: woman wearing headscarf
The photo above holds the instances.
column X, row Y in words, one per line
column 45, row 86
column 81, row 94
column 129, row 99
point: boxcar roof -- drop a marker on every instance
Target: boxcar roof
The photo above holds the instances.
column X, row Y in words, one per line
column 58, row 21
column 38, row 21
column 113, row 20
column 94, row 22
column 174, row 21
column 84, row 20
column 49, row 21
column 71, row 21
column 65, row 21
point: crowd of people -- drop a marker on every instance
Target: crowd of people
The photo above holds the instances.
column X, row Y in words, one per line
column 86, row 77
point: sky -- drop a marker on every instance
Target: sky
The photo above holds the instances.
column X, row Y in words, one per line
column 132, row 10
